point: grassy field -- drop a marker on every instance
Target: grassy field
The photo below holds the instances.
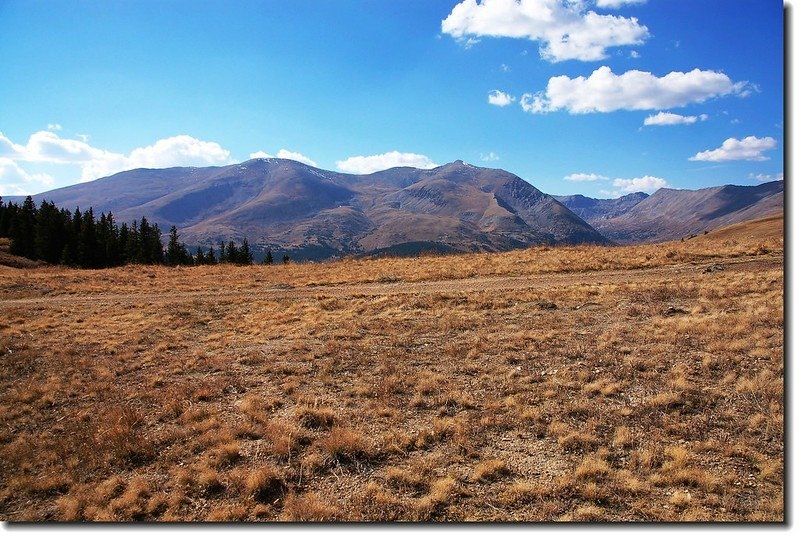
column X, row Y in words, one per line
column 549, row 384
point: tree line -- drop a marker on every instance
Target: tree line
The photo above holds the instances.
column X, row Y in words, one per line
column 58, row 236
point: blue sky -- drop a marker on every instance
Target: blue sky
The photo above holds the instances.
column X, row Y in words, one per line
column 599, row 97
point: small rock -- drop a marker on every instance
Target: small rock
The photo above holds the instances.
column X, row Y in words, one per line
column 671, row 310
column 713, row 268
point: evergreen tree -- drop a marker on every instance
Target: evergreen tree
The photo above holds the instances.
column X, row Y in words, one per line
column 199, row 257
column 222, row 253
column 173, row 249
column 87, row 241
column 232, row 253
column 245, row 254
column 210, row 257
column 50, row 233
column 286, row 259
column 268, row 259
column 22, row 230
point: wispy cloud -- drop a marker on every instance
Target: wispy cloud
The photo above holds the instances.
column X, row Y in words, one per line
column 582, row 177
column 669, row 118
column 765, row 178
column 615, row 4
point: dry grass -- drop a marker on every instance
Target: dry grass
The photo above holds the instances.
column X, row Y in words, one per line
column 575, row 384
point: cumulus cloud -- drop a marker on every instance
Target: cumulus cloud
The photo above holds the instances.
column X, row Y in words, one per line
column 490, row 157
column 392, row 159
column 668, row 118
column 750, row 148
column 14, row 180
column 500, row 98
column 647, row 183
column 605, row 91
column 565, row 30
column 615, row 4
column 261, row 154
column 765, row 178
column 54, row 127
column 48, row 147
column 585, row 177
column 182, row 150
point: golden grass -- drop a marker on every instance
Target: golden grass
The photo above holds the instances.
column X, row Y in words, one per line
column 575, row 384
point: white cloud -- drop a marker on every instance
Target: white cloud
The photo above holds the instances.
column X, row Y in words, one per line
column 48, row 147
column 765, row 178
column 490, row 157
column 565, row 30
column 285, row 153
column 750, row 148
column 604, row 91
column 182, row 150
column 16, row 181
column 54, row 127
column 585, row 177
column 10, row 149
column 533, row 104
column 668, row 118
column 500, row 98
column 634, row 54
column 504, row 68
column 646, row 183
column 392, row 159
column 615, row 4
column 299, row 157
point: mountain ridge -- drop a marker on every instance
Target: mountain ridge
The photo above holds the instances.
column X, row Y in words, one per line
column 310, row 212
column 670, row 213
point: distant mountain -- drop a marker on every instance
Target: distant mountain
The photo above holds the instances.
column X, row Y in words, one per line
column 591, row 209
column 672, row 214
column 312, row 213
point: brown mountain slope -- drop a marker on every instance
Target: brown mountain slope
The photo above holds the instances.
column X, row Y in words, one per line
column 670, row 214
column 312, row 213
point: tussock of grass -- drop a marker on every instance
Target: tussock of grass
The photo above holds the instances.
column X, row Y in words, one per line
column 244, row 393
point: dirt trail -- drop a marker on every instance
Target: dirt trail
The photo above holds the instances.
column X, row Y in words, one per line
column 474, row 284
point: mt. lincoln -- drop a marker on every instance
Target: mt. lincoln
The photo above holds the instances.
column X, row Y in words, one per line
column 313, row 214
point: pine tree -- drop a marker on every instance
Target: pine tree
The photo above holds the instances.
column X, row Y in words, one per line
column 245, row 254
column 173, row 250
column 232, row 253
column 210, row 257
column 268, row 259
column 22, row 230
column 87, row 241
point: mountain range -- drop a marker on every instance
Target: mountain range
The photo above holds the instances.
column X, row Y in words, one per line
column 311, row 213
column 670, row 214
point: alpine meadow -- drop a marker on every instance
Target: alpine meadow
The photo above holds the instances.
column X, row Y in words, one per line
column 449, row 261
